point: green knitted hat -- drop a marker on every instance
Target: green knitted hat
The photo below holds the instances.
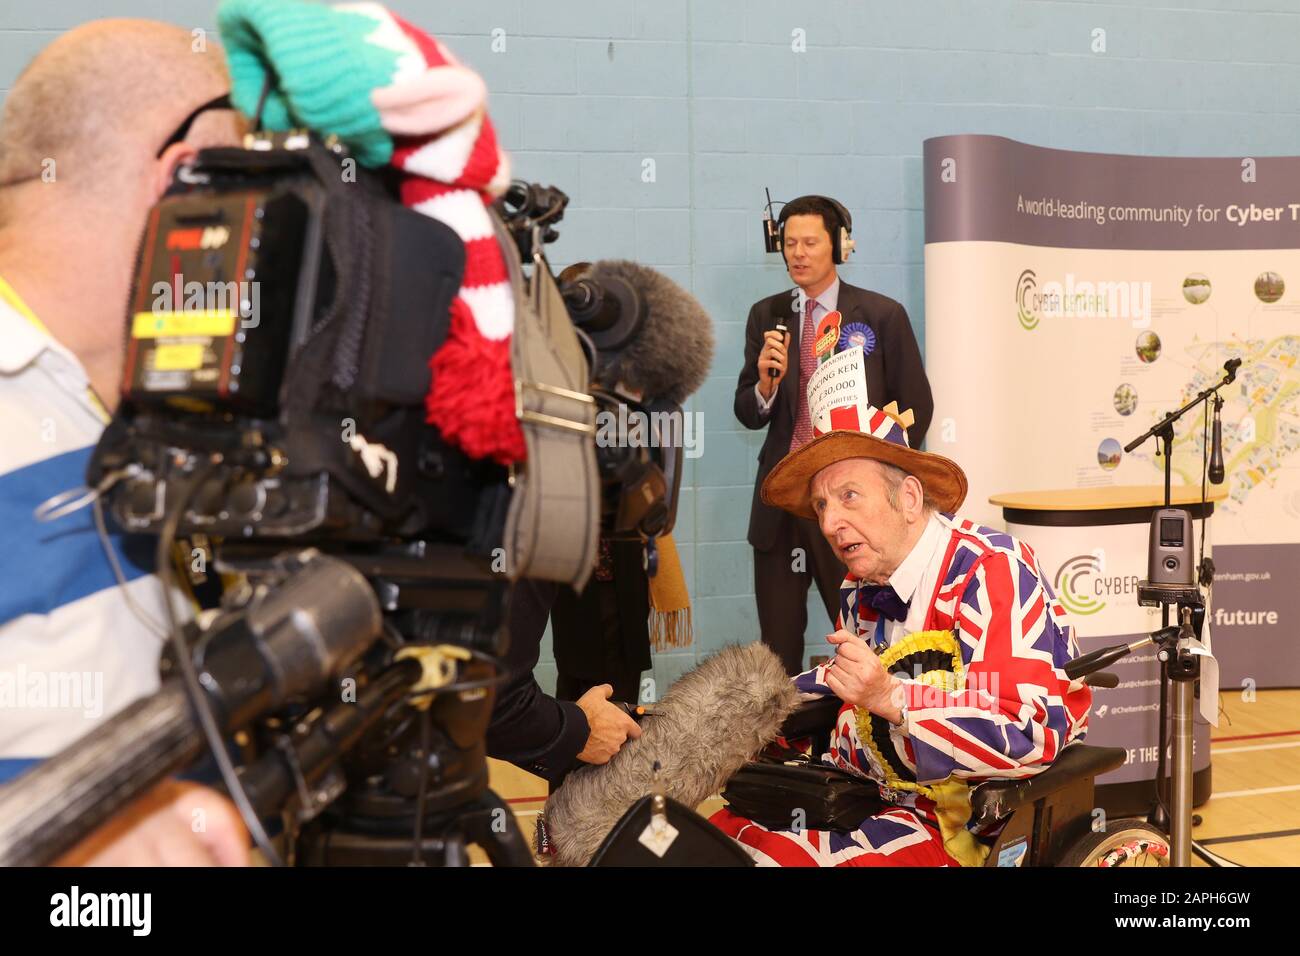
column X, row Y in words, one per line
column 323, row 70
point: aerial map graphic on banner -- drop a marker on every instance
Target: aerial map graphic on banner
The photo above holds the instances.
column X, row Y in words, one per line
column 1072, row 299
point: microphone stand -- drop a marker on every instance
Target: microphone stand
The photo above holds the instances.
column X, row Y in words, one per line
column 1178, row 665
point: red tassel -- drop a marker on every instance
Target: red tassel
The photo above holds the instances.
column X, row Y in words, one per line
column 472, row 400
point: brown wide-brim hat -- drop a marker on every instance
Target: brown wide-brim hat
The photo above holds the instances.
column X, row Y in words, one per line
column 789, row 484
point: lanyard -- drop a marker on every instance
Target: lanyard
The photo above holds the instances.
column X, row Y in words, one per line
column 10, row 296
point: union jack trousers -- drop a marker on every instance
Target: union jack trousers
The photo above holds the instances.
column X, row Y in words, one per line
column 984, row 697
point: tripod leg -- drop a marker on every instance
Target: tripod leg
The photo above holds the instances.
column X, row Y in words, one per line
column 454, row 851
column 492, row 826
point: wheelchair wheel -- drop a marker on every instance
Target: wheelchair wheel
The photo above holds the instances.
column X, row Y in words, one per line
column 1128, row 843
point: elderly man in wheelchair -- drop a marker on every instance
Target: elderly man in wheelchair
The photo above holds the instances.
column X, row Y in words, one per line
column 946, row 696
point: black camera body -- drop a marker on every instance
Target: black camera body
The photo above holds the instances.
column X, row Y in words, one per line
column 279, row 336
column 284, row 312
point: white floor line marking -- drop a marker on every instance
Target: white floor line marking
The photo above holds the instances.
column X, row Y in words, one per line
column 1253, row 793
column 1237, row 750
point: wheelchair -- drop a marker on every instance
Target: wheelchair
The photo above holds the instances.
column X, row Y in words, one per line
column 1043, row 820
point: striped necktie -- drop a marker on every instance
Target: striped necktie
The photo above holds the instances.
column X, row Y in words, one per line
column 803, row 430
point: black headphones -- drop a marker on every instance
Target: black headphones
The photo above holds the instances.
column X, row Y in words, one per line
column 841, row 239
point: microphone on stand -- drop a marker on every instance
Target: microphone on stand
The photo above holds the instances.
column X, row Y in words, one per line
column 1216, row 449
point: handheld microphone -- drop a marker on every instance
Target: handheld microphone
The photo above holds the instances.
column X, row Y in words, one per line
column 1231, row 367
column 1216, row 454
column 780, row 327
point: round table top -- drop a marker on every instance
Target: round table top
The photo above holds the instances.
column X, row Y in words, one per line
column 1106, row 498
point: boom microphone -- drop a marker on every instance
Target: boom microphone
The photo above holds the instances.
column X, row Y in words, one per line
column 610, row 314
column 664, row 336
column 710, row 723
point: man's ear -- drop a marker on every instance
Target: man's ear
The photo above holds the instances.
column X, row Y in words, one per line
column 173, row 157
column 913, row 497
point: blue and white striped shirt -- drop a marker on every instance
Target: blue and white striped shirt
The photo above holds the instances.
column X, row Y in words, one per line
column 72, row 649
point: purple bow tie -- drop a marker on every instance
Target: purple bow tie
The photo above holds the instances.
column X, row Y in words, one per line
column 885, row 599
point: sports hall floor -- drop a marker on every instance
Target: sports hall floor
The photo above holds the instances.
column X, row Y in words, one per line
column 1253, row 817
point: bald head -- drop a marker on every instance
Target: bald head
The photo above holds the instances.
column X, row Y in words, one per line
column 82, row 162
column 101, row 99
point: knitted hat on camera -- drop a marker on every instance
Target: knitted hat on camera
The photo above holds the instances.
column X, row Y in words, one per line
column 395, row 96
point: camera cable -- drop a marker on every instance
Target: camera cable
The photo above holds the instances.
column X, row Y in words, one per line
column 202, row 709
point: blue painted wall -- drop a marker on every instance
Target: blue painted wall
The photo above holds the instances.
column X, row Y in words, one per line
column 717, row 94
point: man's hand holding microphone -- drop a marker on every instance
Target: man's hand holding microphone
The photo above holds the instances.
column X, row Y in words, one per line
column 610, row 725
column 773, row 360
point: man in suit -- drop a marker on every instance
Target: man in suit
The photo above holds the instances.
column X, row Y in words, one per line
column 790, row 552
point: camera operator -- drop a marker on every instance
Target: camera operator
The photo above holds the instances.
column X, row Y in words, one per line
column 538, row 733
column 92, row 132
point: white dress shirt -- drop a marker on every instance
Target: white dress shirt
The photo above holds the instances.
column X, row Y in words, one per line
column 914, row 580
column 823, row 305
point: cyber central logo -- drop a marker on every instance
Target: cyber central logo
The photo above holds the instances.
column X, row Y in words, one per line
column 1025, row 288
column 1076, row 298
column 1074, row 587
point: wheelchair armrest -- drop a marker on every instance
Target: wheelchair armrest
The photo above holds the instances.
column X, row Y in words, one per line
column 995, row 799
column 812, row 717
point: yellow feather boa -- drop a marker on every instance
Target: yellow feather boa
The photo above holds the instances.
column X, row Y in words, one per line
column 951, row 796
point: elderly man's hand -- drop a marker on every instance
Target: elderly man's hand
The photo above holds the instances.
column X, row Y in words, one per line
column 857, row 677
column 175, row 824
